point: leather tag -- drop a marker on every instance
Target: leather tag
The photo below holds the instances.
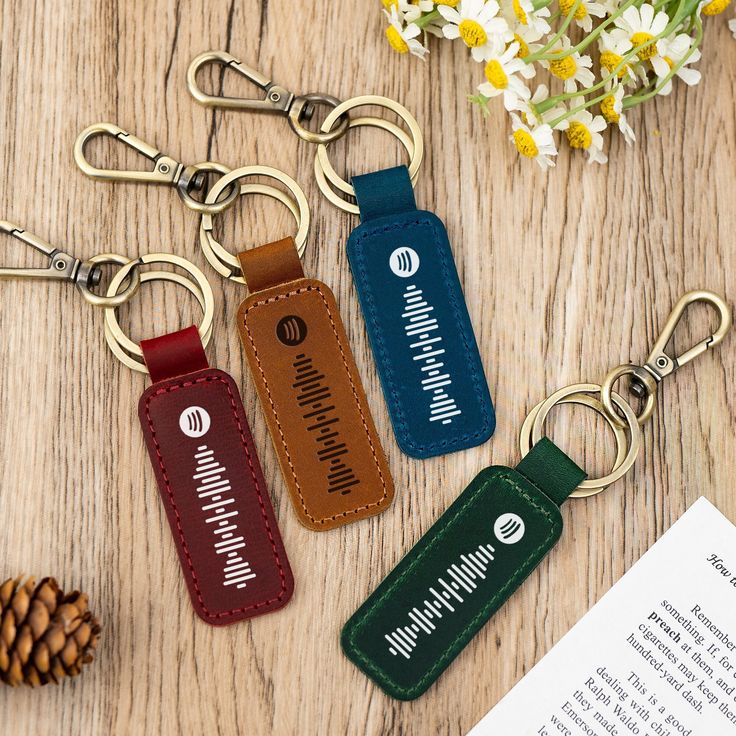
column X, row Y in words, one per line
column 310, row 392
column 458, row 575
column 211, row 485
column 417, row 321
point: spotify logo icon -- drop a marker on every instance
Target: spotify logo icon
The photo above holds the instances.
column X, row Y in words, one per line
column 404, row 262
column 509, row 528
column 194, row 421
column 291, row 330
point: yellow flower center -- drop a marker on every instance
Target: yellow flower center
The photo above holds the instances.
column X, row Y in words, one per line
column 472, row 33
column 388, row 4
column 567, row 5
column 521, row 13
column 396, row 41
column 523, row 46
column 609, row 111
column 669, row 61
column 451, row 3
column 525, row 144
column 496, row 75
column 610, row 61
column 578, row 135
column 563, row 68
column 714, row 7
column 646, row 52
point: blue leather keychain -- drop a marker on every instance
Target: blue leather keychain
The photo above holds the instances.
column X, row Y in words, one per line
column 412, row 301
column 417, row 320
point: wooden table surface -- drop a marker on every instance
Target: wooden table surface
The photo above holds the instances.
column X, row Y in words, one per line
column 566, row 275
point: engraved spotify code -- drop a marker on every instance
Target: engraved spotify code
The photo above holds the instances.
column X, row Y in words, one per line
column 314, row 399
column 214, row 490
column 448, row 594
column 427, row 346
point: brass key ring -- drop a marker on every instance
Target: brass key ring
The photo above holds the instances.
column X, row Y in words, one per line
column 121, row 345
column 586, row 394
column 321, row 174
column 224, row 262
column 322, row 160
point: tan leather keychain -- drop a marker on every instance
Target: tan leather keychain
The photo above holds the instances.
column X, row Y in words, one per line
column 304, row 371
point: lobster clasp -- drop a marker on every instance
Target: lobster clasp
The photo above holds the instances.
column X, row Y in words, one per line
column 659, row 363
column 62, row 266
column 165, row 171
column 276, row 100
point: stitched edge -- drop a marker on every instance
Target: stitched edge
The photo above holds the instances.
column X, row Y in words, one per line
column 452, row 650
column 170, row 493
column 372, row 312
column 302, row 500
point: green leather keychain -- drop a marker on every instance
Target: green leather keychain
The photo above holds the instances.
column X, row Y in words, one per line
column 499, row 529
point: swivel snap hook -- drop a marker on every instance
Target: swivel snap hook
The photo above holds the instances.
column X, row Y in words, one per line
column 64, row 267
column 277, row 99
column 645, row 379
column 166, row 169
column 659, row 363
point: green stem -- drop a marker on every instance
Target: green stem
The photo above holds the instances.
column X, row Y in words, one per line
column 580, row 108
column 428, row 18
column 592, row 36
column 568, row 19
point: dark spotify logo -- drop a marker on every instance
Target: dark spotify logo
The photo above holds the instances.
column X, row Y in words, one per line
column 509, row 528
column 404, row 262
column 291, row 330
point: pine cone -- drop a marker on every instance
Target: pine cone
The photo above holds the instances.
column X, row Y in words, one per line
column 45, row 635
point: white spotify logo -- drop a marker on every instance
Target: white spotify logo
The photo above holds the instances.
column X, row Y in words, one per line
column 194, row 421
column 404, row 262
column 509, row 528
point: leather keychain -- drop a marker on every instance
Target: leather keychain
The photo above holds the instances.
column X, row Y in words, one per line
column 310, row 390
column 201, row 449
column 499, row 529
column 404, row 272
column 205, row 463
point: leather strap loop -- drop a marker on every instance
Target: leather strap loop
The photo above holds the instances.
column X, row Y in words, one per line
column 271, row 265
column 551, row 470
column 175, row 354
column 383, row 193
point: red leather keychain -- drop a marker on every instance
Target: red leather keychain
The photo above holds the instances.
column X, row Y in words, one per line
column 202, row 453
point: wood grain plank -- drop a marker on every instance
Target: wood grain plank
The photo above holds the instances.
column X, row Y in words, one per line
column 565, row 274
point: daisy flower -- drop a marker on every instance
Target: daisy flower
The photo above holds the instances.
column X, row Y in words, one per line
column 409, row 11
column 526, row 38
column 613, row 48
column 536, row 143
column 583, row 12
column 732, row 26
column 612, row 110
column 477, row 23
column 672, row 52
column 714, row 7
column 521, row 14
column 501, row 70
column 642, row 26
column 572, row 68
column 404, row 40
column 529, row 109
column 583, row 131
